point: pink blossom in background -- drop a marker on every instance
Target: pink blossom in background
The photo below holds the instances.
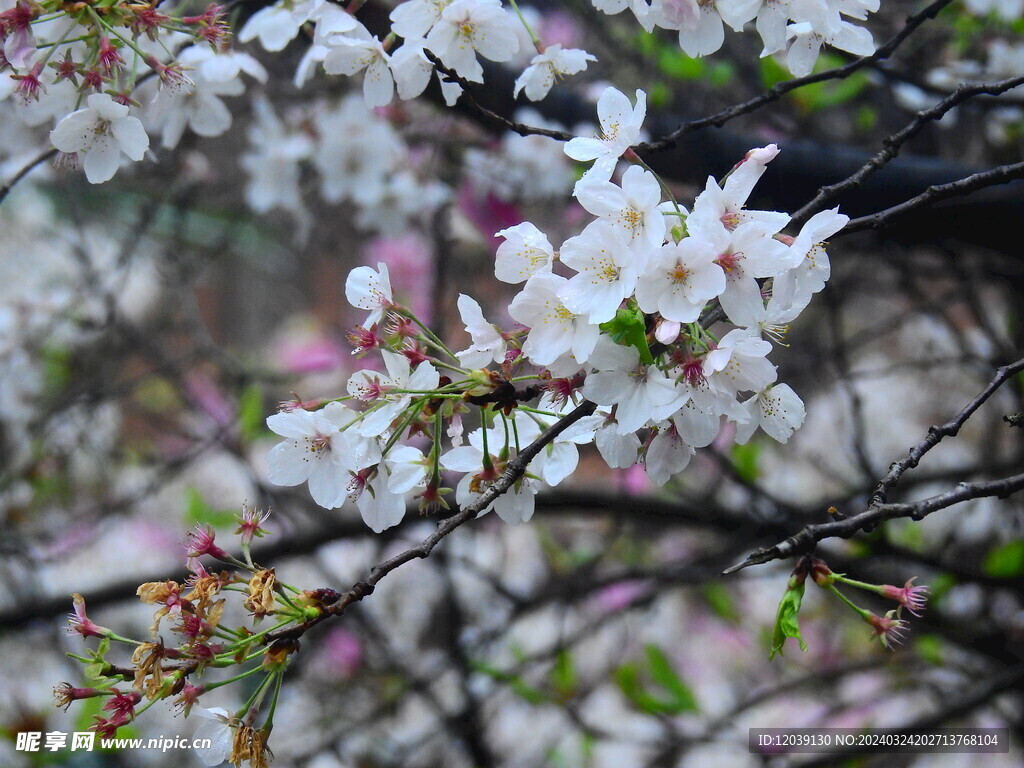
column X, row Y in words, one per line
column 410, row 264
column 559, row 28
column 209, row 398
column 487, row 212
column 341, row 653
column 617, row 597
column 634, row 481
column 303, row 347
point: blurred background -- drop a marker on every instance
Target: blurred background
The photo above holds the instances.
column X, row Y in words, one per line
column 148, row 326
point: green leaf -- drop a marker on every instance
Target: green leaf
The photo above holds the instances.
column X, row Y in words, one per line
column 197, row 511
column 744, row 461
column 629, row 328
column 719, row 600
column 515, row 682
column 250, row 413
column 674, row 63
column 929, row 648
column 1005, row 562
column 632, row 679
column 681, row 698
column 786, row 625
column 563, row 675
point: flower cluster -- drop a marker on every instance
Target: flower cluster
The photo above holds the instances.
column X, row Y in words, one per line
column 454, row 33
column 358, row 156
column 797, row 28
column 83, row 67
column 890, row 629
column 620, row 316
column 194, row 615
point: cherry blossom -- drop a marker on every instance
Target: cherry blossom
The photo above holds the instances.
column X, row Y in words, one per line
column 606, row 269
column 101, row 132
column 468, row 27
column 488, row 343
column 620, row 129
column 525, row 252
column 634, row 206
column 554, row 329
column 545, row 68
column 366, row 288
column 680, row 279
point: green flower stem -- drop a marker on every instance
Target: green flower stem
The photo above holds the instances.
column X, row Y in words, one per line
column 876, row 588
column 257, row 696
column 268, row 724
column 239, row 642
column 862, row 612
column 235, row 679
column 533, row 37
column 430, row 335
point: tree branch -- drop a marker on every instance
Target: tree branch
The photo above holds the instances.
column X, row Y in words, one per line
column 1001, row 175
column 894, row 143
column 781, row 89
column 878, row 510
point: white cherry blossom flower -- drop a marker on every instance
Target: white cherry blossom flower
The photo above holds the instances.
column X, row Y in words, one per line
column 215, row 731
column 349, row 55
column 706, row 33
column 318, row 449
column 202, row 110
column 554, row 329
column 101, row 132
column 667, row 455
column 680, row 280
column 382, row 501
column 277, row 25
column 634, row 206
column 370, row 289
column 719, row 209
column 538, row 78
column 411, row 68
column 468, row 27
column 606, row 271
column 620, row 129
column 752, row 253
column 641, row 393
column 383, row 390
column 778, row 410
column 739, row 363
column 415, row 18
column 525, row 252
column 488, row 343
column 794, row 288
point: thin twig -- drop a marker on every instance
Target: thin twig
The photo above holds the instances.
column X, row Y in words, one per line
column 990, row 178
column 894, row 143
column 781, row 89
column 25, row 171
column 878, row 510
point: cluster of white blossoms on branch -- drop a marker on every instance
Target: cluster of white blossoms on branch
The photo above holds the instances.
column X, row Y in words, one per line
column 624, row 315
column 796, row 27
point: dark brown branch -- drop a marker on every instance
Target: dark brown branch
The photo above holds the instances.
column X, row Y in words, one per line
column 781, row 89
column 878, row 510
column 5, row 190
column 514, row 471
column 1001, row 175
column 894, row 143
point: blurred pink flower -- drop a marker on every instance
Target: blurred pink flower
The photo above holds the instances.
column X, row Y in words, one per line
column 634, row 481
column 411, row 267
column 341, row 653
column 559, row 28
column 487, row 212
column 617, row 597
column 303, row 347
